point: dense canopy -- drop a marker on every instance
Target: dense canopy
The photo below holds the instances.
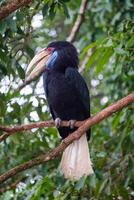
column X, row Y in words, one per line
column 105, row 42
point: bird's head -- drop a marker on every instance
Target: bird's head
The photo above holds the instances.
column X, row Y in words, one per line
column 57, row 56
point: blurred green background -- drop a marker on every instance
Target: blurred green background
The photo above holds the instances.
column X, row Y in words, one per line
column 107, row 32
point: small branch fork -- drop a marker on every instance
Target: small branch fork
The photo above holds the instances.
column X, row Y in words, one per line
column 105, row 113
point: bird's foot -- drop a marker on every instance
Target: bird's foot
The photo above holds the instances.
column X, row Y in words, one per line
column 58, row 122
column 72, row 123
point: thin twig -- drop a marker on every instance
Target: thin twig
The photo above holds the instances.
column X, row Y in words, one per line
column 11, row 186
column 11, row 6
column 105, row 113
column 78, row 22
column 86, row 59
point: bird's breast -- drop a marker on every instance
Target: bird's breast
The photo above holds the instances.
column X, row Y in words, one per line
column 59, row 92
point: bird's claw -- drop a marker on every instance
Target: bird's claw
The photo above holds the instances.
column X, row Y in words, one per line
column 58, row 122
column 72, row 123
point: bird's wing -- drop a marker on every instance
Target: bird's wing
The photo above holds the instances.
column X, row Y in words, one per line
column 46, row 94
column 80, row 88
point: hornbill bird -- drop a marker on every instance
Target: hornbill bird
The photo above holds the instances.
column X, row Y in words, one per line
column 68, row 99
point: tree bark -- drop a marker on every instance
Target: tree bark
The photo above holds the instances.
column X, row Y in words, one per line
column 78, row 22
column 11, row 6
column 25, row 127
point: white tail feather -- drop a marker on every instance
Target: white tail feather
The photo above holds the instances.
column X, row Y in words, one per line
column 75, row 161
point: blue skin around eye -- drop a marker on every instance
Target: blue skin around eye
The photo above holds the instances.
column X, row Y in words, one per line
column 52, row 59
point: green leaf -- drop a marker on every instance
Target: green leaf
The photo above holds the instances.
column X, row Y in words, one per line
column 20, row 31
column 3, row 106
column 122, row 191
column 101, row 154
column 96, row 44
column 103, row 60
column 116, row 119
column 21, row 72
column 3, row 55
column 30, row 51
column 12, row 24
column 120, row 51
column 52, row 11
column 94, row 57
column 16, row 107
column 3, row 69
column 102, row 186
column 3, row 27
column 130, row 42
column 65, row 10
column 109, row 43
column 80, row 184
column 132, row 136
column 45, row 10
column 20, row 15
column 85, row 50
column 92, row 181
column 7, row 195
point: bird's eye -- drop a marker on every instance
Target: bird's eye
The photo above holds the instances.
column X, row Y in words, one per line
column 50, row 49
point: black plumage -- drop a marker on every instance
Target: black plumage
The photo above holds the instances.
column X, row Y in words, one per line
column 68, row 99
column 65, row 88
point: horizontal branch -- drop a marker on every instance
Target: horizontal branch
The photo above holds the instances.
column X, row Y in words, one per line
column 75, row 135
column 25, row 127
column 78, row 22
column 11, row 6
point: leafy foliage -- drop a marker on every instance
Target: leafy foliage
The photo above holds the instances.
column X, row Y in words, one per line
column 109, row 31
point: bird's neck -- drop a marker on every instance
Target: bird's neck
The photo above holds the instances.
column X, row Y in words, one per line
column 55, row 70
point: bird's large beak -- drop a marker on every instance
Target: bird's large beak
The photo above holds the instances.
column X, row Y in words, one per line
column 37, row 64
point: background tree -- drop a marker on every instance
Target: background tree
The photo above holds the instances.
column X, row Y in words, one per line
column 105, row 42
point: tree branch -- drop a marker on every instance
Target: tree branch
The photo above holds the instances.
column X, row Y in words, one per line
column 86, row 59
column 78, row 22
column 105, row 113
column 11, row 6
column 10, row 186
column 12, row 130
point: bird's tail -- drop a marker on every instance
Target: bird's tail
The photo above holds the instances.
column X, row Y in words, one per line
column 75, row 161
